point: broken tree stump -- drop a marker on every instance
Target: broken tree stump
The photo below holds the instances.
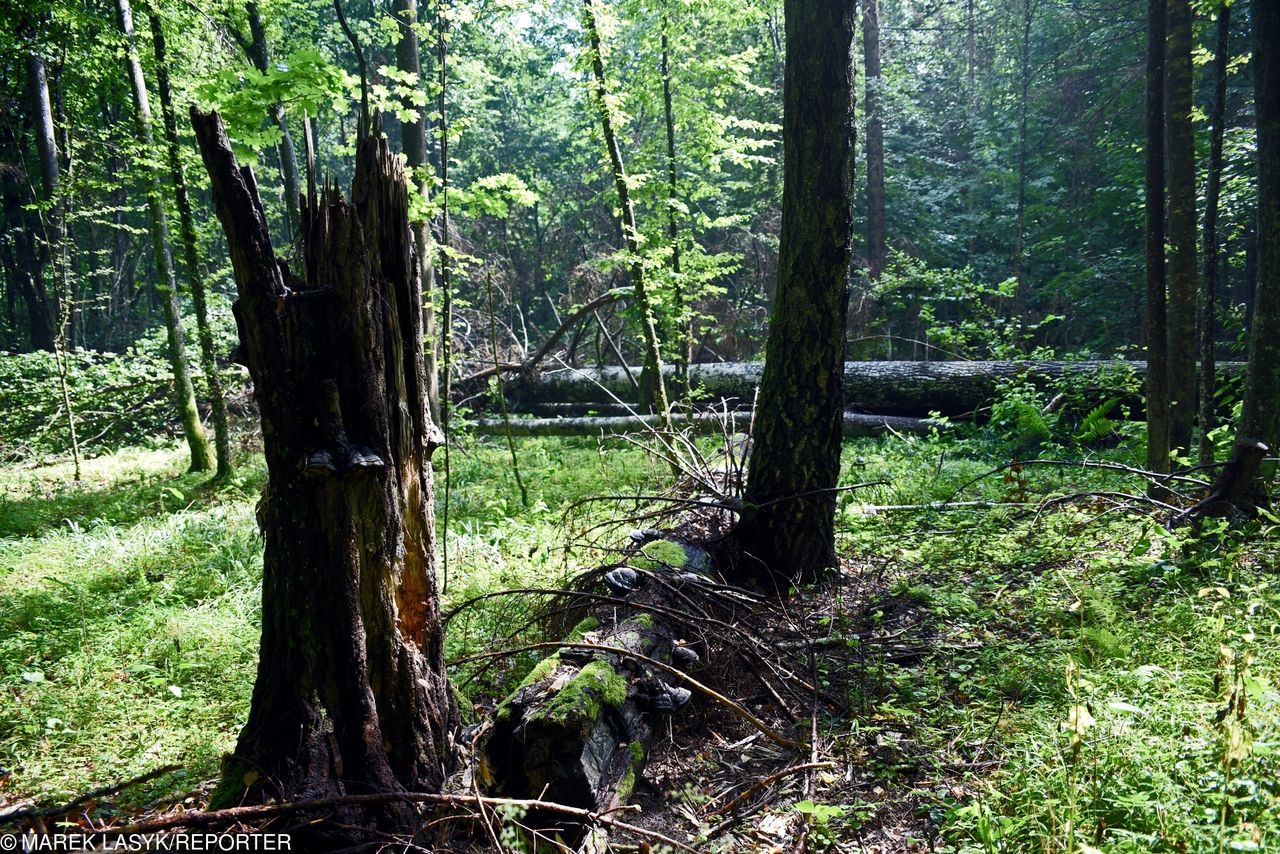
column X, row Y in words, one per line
column 578, row 729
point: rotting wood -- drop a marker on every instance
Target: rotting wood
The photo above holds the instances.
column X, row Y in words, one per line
column 855, row 424
column 890, row 388
column 579, row 728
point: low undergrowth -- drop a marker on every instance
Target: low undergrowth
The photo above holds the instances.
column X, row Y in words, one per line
column 1027, row 668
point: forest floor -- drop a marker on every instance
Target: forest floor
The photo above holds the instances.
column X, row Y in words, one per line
column 1057, row 673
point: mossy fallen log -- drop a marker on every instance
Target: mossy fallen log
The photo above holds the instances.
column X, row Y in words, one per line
column 855, row 424
column 578, row 728
column 891, row 388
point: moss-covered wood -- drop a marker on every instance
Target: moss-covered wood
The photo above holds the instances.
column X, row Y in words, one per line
column 883, row 387
column 351, row 694
column 567, row 732
column 578, row 728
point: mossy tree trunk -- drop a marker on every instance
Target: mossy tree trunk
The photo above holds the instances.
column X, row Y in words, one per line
column 653, row 389
column 789, row 525
column 183, row 391
column 1181, row 165
column 1260, row 418
column 1157, row 385
column 351, row 694
column 877, row 253
column 1207, row 306
column 191, row 254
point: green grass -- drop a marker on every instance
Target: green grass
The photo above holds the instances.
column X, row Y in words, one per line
column 1033, row 618
column 129, row 601
column 1069, row 693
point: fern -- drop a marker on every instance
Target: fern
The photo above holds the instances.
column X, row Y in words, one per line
column 1097, row 425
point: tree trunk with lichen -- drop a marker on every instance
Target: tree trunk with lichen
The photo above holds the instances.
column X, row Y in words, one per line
column 351, row 695
column 1180, row 160
column 787, row 530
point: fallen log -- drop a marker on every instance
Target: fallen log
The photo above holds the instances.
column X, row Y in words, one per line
column 856, row 424
column 578, row 729
column 890, row 388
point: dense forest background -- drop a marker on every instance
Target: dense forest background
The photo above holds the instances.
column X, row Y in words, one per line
column 1012, row 163
column 1006, row 582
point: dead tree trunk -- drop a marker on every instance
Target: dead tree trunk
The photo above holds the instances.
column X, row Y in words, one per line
column 855, row 424
column 351, row 694
column 889, row 388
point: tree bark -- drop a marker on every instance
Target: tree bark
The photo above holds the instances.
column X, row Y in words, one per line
column 351, row 694
column 195, row 276
column 184, row 392
column 1209, row 282
column 876, row 237
column 1181, row 156
column 413, row 141
column 1260, row 417
column 1157, row 385
column 653, row 389
column 788, row 531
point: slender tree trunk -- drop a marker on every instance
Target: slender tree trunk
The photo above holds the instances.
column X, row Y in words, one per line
column 1181, row 165
column 652, row 385
column 683, row 324
column 1260, row 418
column 195, row 278
column 51, row 178
column 261, row 58
column 1157, row 384
column 1209, row 283
column 42, row 312
column 351, row 694
column 413, row 141
column 1020, row 228
column 876, row 238
column 184, row 393
column 787, row 531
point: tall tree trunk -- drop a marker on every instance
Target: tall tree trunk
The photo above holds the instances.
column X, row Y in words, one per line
column 1020, row 226
column 1260, row 418
column 653, row 390
column 184, row 393
column 1157, row 385
column 413, row 141
column 876, row 239
column 683, row 324
column 42, row 311
column 261, row 58
column 1181, row 156
column 351, row 694
column 195, row 278
column 50, row 170
column 1209, row 282
column 788, row 528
